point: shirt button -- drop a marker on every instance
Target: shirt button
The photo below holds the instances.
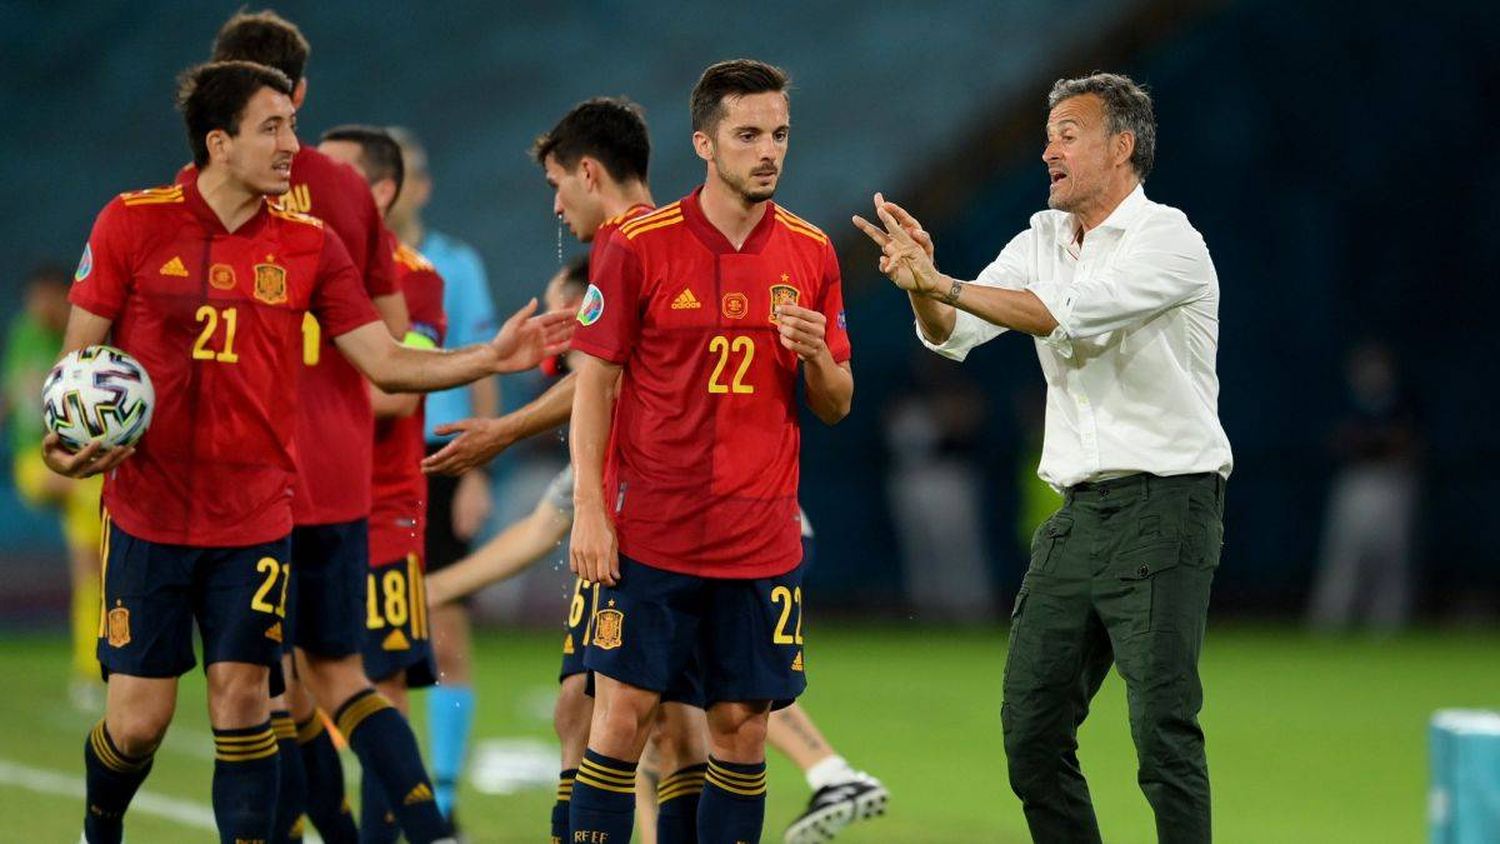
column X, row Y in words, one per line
column 1143, row 571
column 1104, row 493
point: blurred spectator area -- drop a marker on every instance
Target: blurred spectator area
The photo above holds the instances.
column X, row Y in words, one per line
column 1331, row 157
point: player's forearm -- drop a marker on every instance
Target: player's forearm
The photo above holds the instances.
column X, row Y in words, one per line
column 830, row 388
column 508, row 554
column 484, row 397
column 547, row 411
column 392, row 310
column 392, row 406
column 588, row 435
column 408, row 370
column 1018, row 310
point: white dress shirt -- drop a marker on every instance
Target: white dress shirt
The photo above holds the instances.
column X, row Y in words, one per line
column 1130, row 374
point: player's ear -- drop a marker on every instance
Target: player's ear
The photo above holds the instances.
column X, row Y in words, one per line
column 590, row 171
column 218, row 144
column 299, row 93
column 703, row 145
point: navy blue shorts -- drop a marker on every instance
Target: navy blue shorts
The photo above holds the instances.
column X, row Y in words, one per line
column 687, row 688
column 154, row 591
column 742, row 638
column 328, row 588
column 396, row 637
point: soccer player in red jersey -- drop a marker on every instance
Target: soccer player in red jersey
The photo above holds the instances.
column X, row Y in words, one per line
column 206, row 284
column 703, row 312
column 334, row 428
column 397, row 646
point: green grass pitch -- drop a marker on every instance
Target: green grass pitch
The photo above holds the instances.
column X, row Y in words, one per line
column 1310, row 740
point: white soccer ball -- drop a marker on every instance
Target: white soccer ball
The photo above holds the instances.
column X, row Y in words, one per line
column 98, row 393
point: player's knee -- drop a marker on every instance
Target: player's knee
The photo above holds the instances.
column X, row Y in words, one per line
column 139, row 732
column 238, row 695
column 738, row 734
column 623, row 720
column 571, row 715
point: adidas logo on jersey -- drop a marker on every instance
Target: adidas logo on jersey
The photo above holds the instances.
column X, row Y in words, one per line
column 397, row 641
column 274, row 632
column 174, row 267
column 421, row 794
column 686, row 301
column 797, row 662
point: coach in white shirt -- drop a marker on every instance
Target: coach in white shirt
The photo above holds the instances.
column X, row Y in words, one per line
column 1121, row 297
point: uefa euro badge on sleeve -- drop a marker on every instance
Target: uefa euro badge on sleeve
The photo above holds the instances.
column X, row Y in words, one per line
column 609, row 624
column 118, row 626
column 270, row 283
column 783, row 294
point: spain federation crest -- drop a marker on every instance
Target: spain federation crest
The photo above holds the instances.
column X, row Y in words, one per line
column 270, row 284
column 118, row 627
column 609, row 625
column 783, row 294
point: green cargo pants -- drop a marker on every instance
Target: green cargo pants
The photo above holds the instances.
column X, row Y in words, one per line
column 1121, row 575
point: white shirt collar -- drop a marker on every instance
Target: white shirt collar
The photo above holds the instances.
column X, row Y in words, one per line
column 1124, row 214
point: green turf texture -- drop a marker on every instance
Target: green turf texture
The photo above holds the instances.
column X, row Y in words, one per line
column 1310, row 739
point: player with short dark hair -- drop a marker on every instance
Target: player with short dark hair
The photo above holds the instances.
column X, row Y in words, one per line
column 206, row 283
column 703, row 312
column 397, row 645
column 334, row 431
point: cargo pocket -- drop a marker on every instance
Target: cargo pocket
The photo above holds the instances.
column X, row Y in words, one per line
column 1013, row 653
column 1047, row 546
column 1144, row 572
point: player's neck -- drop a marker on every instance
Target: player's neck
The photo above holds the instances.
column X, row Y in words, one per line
column 730, row 212
column 625, row 197
column 231, row 200
column 1098, row 211
column 408, row 230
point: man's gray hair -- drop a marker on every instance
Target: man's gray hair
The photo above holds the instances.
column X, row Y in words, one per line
column 1129, row 109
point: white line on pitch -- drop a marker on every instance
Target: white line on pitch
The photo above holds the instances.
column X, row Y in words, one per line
column 42, row 781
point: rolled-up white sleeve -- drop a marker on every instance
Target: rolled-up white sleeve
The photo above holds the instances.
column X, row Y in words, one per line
column 1164, row 264
column 1011, row 270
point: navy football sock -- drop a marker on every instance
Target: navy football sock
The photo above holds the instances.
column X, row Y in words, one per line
column 377, row 823
column 677, row 800
column 291, row 796
column 560, row 808
column 733, row 806
column 603, row 804
column 246, row 775
column 112, row 779
column 326, row 804
column 388, row 752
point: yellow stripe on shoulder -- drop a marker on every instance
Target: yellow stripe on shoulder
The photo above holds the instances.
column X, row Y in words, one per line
column 658, row 224
column 797, row 225
column 412, row 259
column 293, row 216
column 670, row 209
column 153, row 196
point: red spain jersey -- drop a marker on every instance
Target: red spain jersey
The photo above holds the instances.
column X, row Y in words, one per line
column 334, row 428
column 398, row 515
column 215, row 318
column 702, row 465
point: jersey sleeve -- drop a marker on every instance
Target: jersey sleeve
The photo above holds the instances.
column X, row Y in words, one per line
column 103, row 278
column 836, row 334
column 339, row 300
column 424, row 302
column 609, row 320
column 381, row 278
